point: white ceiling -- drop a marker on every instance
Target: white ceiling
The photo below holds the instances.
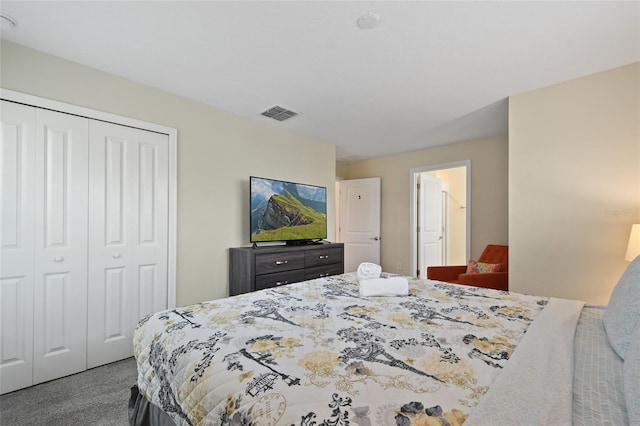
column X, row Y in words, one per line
column 431, row 73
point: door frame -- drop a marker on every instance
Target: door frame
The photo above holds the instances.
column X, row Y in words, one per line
column 413, row 221
column 36, row 101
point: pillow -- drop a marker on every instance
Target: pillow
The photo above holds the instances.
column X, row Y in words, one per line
column 622, row 316
column 482, row 268
column 631, row 372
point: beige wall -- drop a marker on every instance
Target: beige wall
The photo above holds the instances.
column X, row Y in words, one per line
column 217, row 152
column 341, row 169
column 456, row 178
column 574, row 184
column 489, row 173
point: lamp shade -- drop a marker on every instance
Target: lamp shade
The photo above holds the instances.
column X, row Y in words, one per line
column 633, row 249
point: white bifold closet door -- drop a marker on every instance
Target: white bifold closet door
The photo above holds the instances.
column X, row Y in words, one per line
column 83, row 241
column 128, row 232
column 17, row 157
column 60, row 290
column 43, row 274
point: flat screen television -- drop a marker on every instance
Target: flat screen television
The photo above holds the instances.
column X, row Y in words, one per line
column 286, row 211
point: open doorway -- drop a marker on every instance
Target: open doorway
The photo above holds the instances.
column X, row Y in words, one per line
column 441, row 216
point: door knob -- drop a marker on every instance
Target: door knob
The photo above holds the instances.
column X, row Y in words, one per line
column 375, row 238
column 58, row 259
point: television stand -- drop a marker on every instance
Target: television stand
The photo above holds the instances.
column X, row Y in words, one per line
column 252, row 269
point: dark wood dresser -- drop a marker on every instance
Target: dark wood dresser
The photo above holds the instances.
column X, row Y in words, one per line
column 252, row 269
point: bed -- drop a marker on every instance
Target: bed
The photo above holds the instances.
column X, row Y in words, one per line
column 318, row 353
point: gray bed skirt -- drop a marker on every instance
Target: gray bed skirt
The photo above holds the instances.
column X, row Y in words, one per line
column 144, row 413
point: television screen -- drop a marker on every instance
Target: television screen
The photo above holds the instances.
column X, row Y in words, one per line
column 287, row 211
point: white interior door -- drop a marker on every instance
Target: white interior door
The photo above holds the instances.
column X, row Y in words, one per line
column 429, row 223
column 360, row 221
column 17, row 160
column 60, row 292
column 128, row 225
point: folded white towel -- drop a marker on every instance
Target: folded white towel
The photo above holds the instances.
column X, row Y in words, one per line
column 369, row 270
column 390, row 286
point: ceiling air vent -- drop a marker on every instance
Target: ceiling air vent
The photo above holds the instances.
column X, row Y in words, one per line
column 279, row 113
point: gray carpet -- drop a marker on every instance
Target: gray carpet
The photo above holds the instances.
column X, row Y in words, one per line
column 94, row 397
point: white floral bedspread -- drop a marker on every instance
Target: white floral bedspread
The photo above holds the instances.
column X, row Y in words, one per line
column 316, row 353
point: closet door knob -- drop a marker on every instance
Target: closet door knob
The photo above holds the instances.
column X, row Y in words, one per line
column 58, row 259
column 116, row 255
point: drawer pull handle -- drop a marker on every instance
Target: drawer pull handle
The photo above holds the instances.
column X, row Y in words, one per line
column 281, row 262
column 324, row 275
column 282, row 282
column 58, row 259
column 326, row 256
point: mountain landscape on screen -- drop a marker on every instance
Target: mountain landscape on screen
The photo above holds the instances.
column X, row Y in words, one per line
column 285, row 211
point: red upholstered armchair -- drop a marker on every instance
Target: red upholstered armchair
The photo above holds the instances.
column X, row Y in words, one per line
column 457, row 274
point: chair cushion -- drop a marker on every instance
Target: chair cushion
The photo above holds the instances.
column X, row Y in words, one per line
column 621, row 317
column 475, row 267
column 496, row 254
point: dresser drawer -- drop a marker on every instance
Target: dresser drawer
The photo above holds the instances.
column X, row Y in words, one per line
column 323, row 271
column 323, row 257
column 279, row 278
column 275, row 262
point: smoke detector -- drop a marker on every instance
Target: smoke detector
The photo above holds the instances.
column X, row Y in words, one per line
column 368, row 21
column 279, row 113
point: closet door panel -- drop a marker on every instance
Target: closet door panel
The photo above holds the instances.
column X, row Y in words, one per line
column 151, row 205
column 112, row 280
column 60, row 290
column 128, row 228
column 17, row 160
